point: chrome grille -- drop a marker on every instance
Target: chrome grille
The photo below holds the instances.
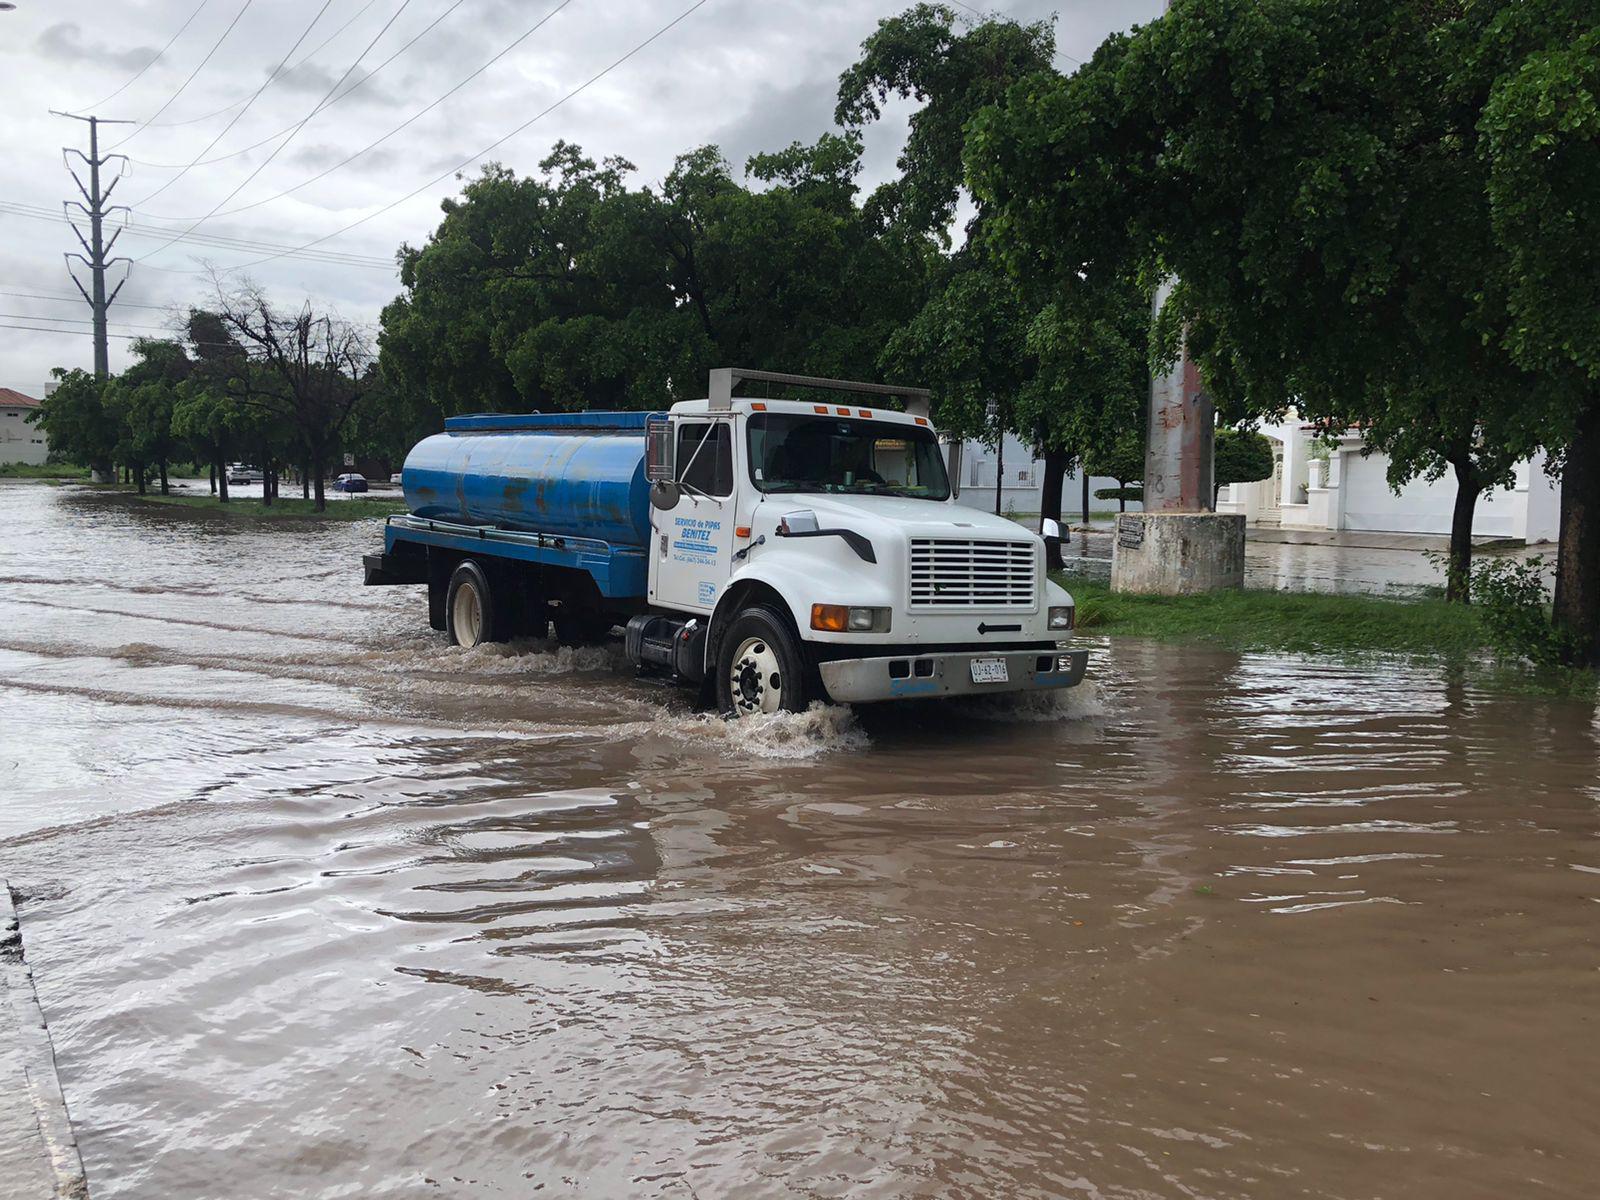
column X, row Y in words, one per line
column 973, row 573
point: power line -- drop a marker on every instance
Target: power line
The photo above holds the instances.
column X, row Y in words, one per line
column 61, row 297
column 137, row 75
column 408, row 121
column 310, row 54
column 280, row 147
column 234, row 120
column 75, row 321
column 217, row 241
column 142, row 125
column 465, row 163
column 351, row 90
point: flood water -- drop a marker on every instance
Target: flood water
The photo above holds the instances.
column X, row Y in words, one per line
column 320, row 906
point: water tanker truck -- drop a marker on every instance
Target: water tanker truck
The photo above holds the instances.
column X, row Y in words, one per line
column 771, row 552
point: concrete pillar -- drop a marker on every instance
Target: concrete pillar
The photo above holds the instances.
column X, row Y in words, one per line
column 1178, row 545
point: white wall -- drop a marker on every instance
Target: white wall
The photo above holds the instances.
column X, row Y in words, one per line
column 1024, row 482
column 21, row 442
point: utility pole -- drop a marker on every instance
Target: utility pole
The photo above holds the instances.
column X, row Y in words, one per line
column 94, row 208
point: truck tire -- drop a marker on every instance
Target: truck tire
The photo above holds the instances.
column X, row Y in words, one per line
column 759, row 668
column 470, row 609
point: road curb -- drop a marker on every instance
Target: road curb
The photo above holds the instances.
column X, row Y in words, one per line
column 40, row 1157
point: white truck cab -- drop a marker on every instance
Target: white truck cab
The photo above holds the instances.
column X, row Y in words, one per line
column 809, row 549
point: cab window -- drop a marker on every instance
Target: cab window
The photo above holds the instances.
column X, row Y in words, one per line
column 705, row 457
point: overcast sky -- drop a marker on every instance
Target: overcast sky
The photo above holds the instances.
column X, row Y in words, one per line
column 747, row 75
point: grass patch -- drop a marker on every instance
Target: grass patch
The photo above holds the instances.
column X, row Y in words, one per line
column 285, row 508
column 1338, row 626
column 42, row 471
column 1288, row 622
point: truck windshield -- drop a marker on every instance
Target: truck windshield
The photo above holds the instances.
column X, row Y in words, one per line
column 793, row 452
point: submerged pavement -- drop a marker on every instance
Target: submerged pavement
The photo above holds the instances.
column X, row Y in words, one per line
column 38, row 1149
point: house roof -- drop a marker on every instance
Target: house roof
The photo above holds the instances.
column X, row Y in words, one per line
column 10, row 398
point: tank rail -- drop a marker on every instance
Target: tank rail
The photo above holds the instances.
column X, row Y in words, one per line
column 618, row 571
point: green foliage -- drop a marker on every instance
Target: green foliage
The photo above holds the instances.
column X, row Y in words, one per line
column 1122, row 458
column 1513, row 604
column 74, row 418
column 1273, row 155
column 571, row 290
column 953, row 73
column 1121, row 494
column 1064, row 366
column 1242, row 456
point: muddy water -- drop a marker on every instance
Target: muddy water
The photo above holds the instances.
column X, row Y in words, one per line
column 321, row 907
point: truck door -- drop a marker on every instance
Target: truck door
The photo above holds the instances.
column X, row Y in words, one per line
column 691, row 557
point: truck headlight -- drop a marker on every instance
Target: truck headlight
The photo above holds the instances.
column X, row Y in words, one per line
column 1061, row 617
column 839, row 618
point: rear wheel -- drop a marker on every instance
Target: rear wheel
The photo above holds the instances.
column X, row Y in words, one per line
column 471, row 614
column 759, row 668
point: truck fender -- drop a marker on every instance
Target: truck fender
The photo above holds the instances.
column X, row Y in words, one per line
column 797, row 582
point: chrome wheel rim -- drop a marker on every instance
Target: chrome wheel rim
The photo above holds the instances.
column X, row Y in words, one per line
column 467, row 616
column 755, row 680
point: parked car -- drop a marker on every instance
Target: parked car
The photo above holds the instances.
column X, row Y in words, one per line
column 239, row 473
column 351, row 482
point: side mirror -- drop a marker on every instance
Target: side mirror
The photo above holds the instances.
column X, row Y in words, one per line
column 659, row 458
column 665, row 494
column 802, row 520
column 1050, row 529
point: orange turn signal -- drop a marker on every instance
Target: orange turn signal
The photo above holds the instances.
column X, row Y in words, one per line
column 741, row 531
column 831, row 618
column 758, row 408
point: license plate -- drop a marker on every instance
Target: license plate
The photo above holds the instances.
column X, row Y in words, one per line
column 989, row 670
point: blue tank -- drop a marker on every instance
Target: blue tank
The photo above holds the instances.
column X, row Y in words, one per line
column 570, row 474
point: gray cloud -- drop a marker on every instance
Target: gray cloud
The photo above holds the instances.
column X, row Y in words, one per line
column 65, row 42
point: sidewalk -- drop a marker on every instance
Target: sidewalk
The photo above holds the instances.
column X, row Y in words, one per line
column 38, row 1150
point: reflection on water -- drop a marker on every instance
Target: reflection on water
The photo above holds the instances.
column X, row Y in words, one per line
column 320, row 906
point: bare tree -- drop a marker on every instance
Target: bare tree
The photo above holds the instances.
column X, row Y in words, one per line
column 318, row 361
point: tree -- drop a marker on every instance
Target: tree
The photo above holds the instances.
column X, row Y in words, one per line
column 1241, row 456
column 1272, row 156
column 140, row 401
column 1535, row 69
column 74, row 418
column 206, row 413
column 310, row 371
column 1120, row 458
column 572, row 290
column 1061, row 364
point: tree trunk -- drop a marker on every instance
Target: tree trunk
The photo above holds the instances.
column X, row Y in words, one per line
column 213, row 477
column 305, row 481
column 1458, row 574
column 138, row 476
column 220, row 470
column 1122, row 495
column 1055, row 478
column 1085, row 469
column 161, row 465
column 1577, row 607
column 316, row 469
column 999, row 469
column 266, row 479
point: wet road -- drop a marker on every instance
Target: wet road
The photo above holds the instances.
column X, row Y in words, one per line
column 319, row 906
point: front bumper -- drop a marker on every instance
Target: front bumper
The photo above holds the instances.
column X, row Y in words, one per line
column 930, row 676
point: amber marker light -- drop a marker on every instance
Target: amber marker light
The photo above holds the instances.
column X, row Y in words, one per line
column 830, row 618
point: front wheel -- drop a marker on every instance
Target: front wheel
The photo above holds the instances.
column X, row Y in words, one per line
column 759, row 668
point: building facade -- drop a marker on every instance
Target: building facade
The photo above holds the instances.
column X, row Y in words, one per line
column 20, row 441
column 1020, row 476
column 1316, row 485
